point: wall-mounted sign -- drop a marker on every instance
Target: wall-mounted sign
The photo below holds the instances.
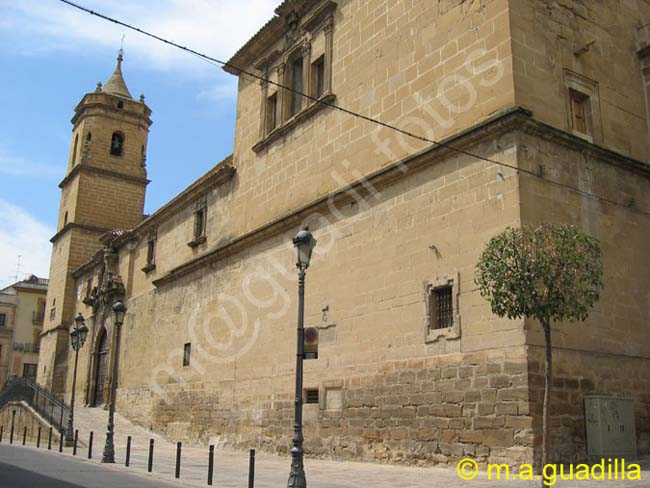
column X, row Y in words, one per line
column 310, row 338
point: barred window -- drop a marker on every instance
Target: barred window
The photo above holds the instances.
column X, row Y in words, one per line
column 311, row 395
column 441, row 307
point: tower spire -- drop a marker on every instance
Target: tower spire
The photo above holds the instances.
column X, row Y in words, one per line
column 115, row 84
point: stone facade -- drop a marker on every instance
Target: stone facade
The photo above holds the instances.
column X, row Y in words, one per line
column 393, row 219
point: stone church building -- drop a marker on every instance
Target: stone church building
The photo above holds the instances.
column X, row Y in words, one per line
column 540, row 109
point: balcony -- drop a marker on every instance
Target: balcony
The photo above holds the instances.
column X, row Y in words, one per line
column 26, row 347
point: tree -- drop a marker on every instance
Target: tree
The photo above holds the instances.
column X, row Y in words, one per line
column 549, row 273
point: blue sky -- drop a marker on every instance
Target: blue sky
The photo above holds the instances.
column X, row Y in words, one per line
column 52, row 54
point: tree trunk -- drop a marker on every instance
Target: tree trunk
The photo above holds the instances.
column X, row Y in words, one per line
column 546, row 441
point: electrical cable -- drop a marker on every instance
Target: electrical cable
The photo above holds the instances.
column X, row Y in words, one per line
column 366, row 118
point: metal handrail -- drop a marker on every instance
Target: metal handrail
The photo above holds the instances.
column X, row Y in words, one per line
column 48, row 406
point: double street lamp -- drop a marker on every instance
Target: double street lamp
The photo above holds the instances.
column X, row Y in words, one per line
column 304, row 243
column 109, row 449
column 77, row 338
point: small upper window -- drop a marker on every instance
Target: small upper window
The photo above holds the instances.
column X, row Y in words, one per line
column 296, row 85
column 187, row 352
column 89, row 137
column 117, row 144
column 579, row 111
column 318, row 77
column 65, row 219
column 120, row 104
column 199, row 223
column 3, row 319
column 271, row 112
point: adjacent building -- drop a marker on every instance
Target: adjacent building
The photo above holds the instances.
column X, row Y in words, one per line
column 22, row 311
column 528, row 111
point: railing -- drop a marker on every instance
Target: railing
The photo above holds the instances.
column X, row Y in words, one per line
column 26, row 347
column 42, row 401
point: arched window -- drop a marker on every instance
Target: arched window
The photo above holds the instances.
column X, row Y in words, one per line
column 65, row 218
column 89, row 137
column 117, row 144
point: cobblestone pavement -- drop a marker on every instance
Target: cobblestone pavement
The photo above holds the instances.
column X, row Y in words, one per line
column 231, row 467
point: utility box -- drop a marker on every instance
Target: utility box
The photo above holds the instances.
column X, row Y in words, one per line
column 610, row 427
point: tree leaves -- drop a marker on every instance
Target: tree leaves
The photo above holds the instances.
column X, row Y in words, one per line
column 550, row 272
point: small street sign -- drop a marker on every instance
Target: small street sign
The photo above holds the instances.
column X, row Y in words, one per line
column 310, row 338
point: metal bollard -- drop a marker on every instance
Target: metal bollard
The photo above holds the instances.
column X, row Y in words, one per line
column 76, row 439
column 61, row 442
column 38, row 438
column 24, row 435
column 49, row 440
column 178, row 460
column 13, row 422
column 210, row 464
column 251, row 469
column 90, row 445
column 128, row 451
column 2, row 428
column 150, row 463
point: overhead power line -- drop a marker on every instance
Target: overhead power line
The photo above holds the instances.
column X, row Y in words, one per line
column 358, row 115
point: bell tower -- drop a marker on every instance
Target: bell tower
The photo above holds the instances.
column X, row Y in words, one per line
column 103, row 189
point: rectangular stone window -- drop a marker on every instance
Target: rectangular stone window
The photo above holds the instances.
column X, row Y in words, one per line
column 441, row 298
column 187, row 352
column 442, row 307
column 318, row 77
column 3, row 319
column 296, row 85
column 311, row 395
column 579, row 111
column 271, row 112
column 200, row 221
column 582, row 106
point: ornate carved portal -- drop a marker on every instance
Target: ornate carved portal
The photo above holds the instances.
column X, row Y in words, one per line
column 101, row 372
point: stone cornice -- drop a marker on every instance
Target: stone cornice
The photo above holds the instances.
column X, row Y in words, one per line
column 74, row 225
column 219, row 175
column 510, row 120
column 84, row 167
column 273, row 30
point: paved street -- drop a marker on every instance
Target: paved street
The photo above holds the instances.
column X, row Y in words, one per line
column 24, row 467
column 27, row 467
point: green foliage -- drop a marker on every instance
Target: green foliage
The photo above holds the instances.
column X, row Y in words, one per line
column 551, row 272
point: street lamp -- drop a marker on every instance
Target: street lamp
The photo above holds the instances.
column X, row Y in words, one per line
column 77, row 338
column 109, row 449
column 304, row 243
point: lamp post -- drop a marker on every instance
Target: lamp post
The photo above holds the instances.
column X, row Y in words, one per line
column 77, row 338
column 304, row 243
column 109, row 449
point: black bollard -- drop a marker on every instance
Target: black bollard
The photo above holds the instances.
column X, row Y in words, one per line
column 24, row 435
column 178, row 460
column 61, row 442
column 210, row 464
column 251, row 469
column 76, row 439
column 128, row 451
column 13, row 422
column 90, row 446
column 150, row 463
column 2, row 428
column 49, row 440
column 38, row 438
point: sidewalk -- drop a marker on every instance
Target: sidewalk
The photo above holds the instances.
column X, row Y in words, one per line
column 231, row 467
